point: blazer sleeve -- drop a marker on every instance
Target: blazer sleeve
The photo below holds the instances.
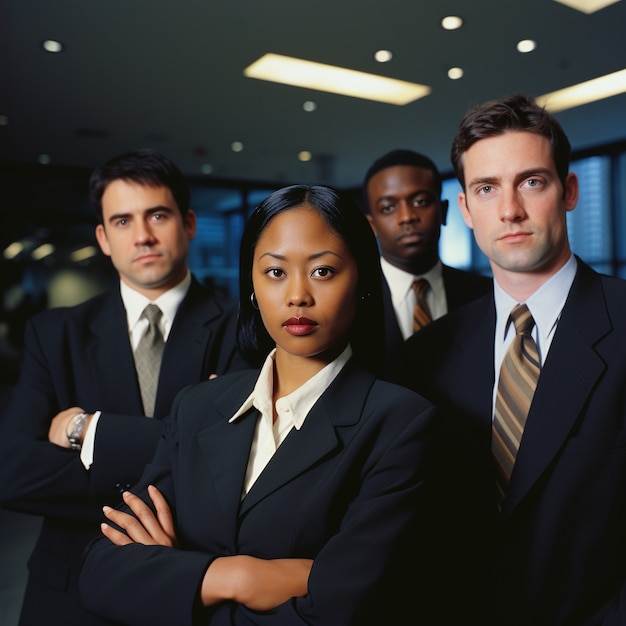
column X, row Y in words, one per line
column 358, row 577
column 41, row 478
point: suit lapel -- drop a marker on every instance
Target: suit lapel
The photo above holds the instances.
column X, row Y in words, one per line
column 340, row 405
column 110, row 352
column 185, row 349
column 568, row 377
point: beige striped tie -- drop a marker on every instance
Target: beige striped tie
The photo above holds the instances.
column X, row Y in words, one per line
column 421, row 313
column 148, row 358
column 519, row 374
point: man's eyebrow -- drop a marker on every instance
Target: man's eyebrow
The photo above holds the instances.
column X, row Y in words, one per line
column 150, row 211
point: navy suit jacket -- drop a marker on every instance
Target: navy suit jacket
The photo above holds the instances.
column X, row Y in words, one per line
column 81, row 356
column 461, row 287
column 556, row 555
column 349, row 490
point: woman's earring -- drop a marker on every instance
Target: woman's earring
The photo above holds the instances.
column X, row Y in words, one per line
column 255, row 304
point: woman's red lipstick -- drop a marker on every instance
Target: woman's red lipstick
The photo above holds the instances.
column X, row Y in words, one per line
column 299, row 325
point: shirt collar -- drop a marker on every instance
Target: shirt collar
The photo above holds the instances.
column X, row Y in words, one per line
column 299, row 401
column 545, row 304
column 135, row 302
column 400, row 281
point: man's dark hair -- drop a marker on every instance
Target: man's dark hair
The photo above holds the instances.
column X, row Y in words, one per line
column 400, row 157
column 145, row 167
column 345, row 219
column 512, row 113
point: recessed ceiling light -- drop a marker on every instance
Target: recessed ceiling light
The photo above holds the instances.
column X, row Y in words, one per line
column 454, row 73
column 4, row 120
column 304, row 155
column 42, row 251
column 299, row 73
column 44, row 159
column 526, row 45
column 452, row 22
column 236, row 146
column 383, row 56
column 206, row 168
column 50, row 45
column 13, row 249
column 587, row 6
column 84, row 253
column 584, row 93
column 309, row 106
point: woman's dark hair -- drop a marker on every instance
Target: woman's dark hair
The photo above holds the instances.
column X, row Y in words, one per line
column 345, row 219
column 513, row 113
column 146, row 167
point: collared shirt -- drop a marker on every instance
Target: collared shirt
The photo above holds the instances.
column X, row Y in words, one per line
column 134, row 303
column 291, row 411
column 403, row 295
column 545, row 306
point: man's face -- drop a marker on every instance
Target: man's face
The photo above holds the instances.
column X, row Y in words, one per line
column 406, row 216
column 145, row 235
column 516, row 204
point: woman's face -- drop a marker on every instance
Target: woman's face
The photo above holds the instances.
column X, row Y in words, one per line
column 305, row 281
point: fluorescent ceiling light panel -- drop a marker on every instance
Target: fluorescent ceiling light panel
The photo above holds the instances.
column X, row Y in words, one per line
column 587, row 6
column 290, row 71
column 583, row 93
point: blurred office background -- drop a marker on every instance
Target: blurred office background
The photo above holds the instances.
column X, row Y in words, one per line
column 83, row 81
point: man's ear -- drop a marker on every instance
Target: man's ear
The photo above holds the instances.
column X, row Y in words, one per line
column 103, row 242
column 464, row 210
column 370, row 219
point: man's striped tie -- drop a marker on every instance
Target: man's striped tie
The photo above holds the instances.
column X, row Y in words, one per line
column 421, row 313
column 516, row 386
column 148, row 358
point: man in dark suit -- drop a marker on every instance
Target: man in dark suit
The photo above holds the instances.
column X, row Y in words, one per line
column 533, row 476
column 79, row 430
column 402, row 194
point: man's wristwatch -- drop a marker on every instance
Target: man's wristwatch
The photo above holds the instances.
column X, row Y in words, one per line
column 75, row 430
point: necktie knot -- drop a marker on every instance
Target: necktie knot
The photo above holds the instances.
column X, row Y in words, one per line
column 152, row 313
column 522, row 319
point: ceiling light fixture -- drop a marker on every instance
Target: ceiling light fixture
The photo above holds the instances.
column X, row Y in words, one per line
column 299, row 73
column 50, row 45
column 584, row 93
column 587, row 6
column 236, row 146
column 304, row 155
column 84, row 253
column 526, row 45
column 454, row 73
column 451, row 22
column 4, row 120
column 383, row 56
column 13, row 249
column 42, row 251
column 309, row 106
column 206, row 168
column 44, row 159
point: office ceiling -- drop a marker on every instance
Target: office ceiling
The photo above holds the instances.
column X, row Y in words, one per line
column 169, row 75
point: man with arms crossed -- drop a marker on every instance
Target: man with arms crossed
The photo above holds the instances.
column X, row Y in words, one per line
column 82, row 423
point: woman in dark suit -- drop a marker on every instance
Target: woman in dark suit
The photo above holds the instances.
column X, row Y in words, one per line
column 296, row 494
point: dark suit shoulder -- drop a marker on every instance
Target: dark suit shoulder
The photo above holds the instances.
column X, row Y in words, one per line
column 462, row 286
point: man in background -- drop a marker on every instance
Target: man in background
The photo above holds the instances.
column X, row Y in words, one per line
column 98, row 379
column 402, row 193
column 531, row 380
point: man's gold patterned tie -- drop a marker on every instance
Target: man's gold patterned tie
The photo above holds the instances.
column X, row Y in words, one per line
column 421, row 313
column 148, row 358
column 519, row 374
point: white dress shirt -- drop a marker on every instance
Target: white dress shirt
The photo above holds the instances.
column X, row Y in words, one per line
column 403, row 296
column 291, row 411
column 545, row 305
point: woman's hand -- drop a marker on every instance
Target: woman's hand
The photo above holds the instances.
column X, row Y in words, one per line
column 259, row 584
column 143, row 527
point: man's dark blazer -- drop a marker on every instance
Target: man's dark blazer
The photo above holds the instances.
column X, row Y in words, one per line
column 81, row 356
column 461, row 287
column 349, row 490
column 556, row 555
